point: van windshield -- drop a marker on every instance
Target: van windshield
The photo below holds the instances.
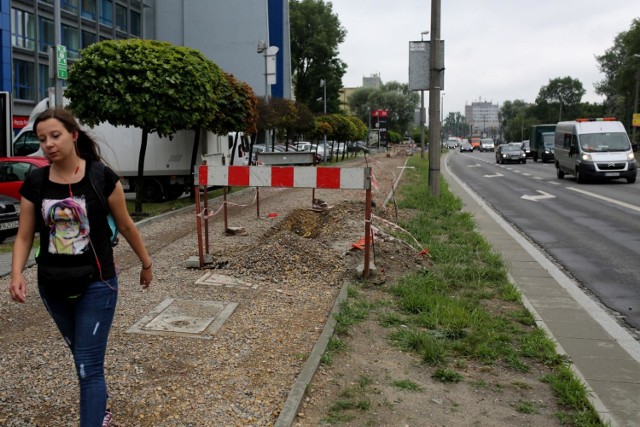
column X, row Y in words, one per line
column 548, row 139
column 603, row 142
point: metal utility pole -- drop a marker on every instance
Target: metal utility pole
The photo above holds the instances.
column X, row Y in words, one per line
column 422, row 112
column 323, row 84
column 635, row 102
column 434, row 100
column 57, row 35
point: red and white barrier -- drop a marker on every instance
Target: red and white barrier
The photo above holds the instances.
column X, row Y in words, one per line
column 286, row 176
column 282, row 176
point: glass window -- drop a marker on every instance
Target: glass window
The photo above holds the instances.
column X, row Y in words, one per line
column 23, row 80
column 88, row 38
column 89, row 9
column 71, row 40
column 135, row 24
column 70, row 5
column 23, row 29
column 106, row 12
column 121, row 17
column 45, row 81
column 47, row 37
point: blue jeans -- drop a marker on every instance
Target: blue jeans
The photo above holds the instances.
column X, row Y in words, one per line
column 85, row 323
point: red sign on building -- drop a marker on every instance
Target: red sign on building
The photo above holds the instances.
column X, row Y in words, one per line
column 20, row 121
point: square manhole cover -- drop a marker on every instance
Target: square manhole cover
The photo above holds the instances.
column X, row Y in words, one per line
column 215, row 279
column 195, row 319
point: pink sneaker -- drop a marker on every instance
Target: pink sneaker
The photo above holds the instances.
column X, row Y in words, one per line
column 108, row 417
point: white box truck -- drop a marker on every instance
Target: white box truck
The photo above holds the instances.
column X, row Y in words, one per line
column 167, row 163
column 594, row 148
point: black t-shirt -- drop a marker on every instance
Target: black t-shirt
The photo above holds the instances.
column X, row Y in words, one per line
column 71, row 220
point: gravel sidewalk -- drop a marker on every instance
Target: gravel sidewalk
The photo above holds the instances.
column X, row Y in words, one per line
column 284, row 276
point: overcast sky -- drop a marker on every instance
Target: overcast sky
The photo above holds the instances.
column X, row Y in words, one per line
column 495, row 50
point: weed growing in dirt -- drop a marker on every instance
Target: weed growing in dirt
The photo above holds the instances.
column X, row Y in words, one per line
column 463, row 308
column 446, row 375
column 406, row 385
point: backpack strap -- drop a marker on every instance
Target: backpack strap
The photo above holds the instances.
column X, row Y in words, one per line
column 96, row 178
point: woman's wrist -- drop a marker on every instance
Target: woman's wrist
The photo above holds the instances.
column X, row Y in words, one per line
column 147, row 267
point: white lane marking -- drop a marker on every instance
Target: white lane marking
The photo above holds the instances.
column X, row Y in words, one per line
column 606, row 199
column 542, row 195
column 493, row 176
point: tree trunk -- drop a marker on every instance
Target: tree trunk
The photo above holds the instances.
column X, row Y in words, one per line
column 233, row 149
column 194, row 159
column 139, row 184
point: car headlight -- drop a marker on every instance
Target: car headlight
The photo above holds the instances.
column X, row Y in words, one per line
column 631, row 156
column 586, row 157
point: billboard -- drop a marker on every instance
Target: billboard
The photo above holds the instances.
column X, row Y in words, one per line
column 419, row 67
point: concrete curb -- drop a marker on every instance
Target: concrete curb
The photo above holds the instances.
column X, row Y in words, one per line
column 292, row 404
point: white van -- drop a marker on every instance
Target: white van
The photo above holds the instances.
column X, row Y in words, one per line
column 594, row 148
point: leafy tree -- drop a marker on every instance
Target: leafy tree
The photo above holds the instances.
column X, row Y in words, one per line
column 149, row 84
column 565, row 91
column 621, row 68
column 238, row 113
column 394, row 97
column 315, row 35
column 304, row 121
column 454, row 124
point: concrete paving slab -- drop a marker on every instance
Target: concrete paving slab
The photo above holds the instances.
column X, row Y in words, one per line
column 192, row 319
column 585, row 331
column 599, row 349
column 570, row 314
column 214, row 279
column 562, row 300
column 622, row 399
column 623, row 370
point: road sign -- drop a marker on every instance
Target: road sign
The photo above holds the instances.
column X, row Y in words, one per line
column 61, row 61
column 636, row 120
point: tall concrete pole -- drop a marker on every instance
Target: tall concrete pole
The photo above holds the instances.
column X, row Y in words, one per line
column 57, row 35
column 434, row 101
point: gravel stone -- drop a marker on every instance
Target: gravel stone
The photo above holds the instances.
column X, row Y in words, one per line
column 296, row 264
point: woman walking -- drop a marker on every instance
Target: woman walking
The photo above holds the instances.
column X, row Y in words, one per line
column 68, row 203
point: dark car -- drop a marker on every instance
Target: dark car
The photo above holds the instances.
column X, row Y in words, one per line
column 510, row 153
column 14, row 170
column 466, row 146
column 9, row 215
column 526, row 147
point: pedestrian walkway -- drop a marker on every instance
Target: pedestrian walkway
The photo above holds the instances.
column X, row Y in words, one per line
column 604, row 354
column 5, row 262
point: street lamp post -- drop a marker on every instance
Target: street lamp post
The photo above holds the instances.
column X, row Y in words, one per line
column 269, row 54
column 422, row 112
column 442, row 112
column 323, row 84
column 635, row 102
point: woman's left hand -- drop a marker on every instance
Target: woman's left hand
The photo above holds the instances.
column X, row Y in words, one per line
column 146, row 276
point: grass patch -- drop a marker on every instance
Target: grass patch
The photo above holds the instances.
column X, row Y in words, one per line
column 406, row 385
column 464, row 307
column 446, row 375
column 351, row 401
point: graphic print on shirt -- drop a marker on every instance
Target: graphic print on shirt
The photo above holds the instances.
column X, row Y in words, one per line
column 68, row 225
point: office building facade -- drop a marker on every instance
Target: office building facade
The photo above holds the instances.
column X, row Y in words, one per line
column 226, row 32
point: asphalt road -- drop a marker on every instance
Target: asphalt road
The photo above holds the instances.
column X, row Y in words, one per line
column 591, row 229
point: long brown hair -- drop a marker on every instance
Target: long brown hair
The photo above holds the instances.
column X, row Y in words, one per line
column 86, row 146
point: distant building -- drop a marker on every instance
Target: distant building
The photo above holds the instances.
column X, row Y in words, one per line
column 373, row 81
column 482, row 116
column 345, row 93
